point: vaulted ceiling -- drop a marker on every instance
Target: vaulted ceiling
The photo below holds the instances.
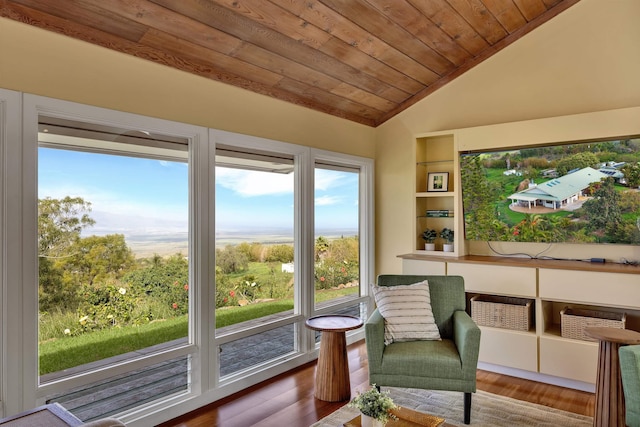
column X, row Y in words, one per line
column 362, row 60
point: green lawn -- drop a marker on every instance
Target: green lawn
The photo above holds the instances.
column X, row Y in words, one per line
column 68, row 352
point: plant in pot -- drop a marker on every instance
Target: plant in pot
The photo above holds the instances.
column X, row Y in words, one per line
column 429, row 236
column 374, row 406
column 447, row 235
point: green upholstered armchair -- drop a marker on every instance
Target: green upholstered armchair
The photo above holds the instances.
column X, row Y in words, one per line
column 630, row 370
column 449, row 364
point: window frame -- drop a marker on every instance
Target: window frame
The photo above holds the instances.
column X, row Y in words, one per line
column 33, row 108
column 19, row 116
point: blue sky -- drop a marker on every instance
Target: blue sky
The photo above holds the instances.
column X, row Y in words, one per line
column 136, row 196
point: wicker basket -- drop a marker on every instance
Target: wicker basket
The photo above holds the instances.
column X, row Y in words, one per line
column 502, row 312
column 573, row 321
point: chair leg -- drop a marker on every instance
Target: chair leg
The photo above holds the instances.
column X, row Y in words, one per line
column 467, row 408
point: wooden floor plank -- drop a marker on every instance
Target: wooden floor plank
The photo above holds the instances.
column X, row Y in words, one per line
column 288, row 399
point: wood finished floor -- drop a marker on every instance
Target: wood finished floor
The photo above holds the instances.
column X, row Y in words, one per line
column 287, row 400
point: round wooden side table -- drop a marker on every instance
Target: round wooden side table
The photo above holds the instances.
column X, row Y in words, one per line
column 332, row 372
column 610, row 407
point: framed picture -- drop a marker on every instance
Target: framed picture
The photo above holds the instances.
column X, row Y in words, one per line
column 438, row 181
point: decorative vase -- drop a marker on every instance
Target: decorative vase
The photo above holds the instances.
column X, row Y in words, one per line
column 367, row 421
column 447, row 247
column 429, row 246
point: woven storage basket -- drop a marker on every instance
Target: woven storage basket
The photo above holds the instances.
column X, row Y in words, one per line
column 502, row 312
column 574, row 320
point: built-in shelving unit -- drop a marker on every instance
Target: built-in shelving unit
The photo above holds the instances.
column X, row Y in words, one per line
column 436, row 154
column 542, row 352
column 552, row 285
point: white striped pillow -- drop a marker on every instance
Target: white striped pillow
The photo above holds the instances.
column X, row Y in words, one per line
column 407, row 312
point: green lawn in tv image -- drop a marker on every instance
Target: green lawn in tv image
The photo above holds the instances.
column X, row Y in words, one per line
column 572, row 193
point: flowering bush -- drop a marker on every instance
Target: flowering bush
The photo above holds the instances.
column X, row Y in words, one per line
column 106, row 306
column 375, row 404
column 330, row 273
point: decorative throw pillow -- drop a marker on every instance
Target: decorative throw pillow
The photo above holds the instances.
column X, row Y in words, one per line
column 407, row 312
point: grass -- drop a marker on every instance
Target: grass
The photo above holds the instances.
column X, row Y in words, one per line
column 68, row 352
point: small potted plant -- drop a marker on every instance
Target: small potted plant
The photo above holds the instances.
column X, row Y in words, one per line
column 429, row 236
column 447, row 235
column 374, row 406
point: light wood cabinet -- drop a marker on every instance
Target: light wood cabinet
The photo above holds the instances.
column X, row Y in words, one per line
column 542, row 353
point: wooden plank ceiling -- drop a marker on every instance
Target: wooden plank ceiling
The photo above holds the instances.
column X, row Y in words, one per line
column 362, row 60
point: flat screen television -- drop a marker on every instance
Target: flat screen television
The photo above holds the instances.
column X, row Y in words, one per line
column 578, row 192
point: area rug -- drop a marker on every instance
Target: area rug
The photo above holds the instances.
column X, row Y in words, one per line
column 486, row 410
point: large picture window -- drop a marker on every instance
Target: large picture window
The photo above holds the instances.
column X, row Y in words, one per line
column 113, row 271
column 157, row 266
column 337, row 241
column 254, row 255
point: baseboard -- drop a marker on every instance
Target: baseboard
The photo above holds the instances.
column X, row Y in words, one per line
column 536, row 376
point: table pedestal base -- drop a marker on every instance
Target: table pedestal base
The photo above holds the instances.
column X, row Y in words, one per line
column 332, row 374
column 610, row 405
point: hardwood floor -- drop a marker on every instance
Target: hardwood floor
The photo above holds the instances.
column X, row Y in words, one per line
column 288, row 399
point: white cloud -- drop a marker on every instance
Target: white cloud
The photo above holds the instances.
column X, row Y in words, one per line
column 254, row 183
column 327, row 200
column 325, row 179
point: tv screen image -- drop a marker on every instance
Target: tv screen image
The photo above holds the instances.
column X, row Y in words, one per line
column 579, row 192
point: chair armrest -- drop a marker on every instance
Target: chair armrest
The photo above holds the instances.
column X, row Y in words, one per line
column 466, row 335
column 374, row 337
column 630, row 372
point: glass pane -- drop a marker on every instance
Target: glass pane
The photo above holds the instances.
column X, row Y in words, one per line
column 119, row 393
column 356, row 310
column 337, row 243
column 254, row 237
column 113, row 221
column 253, row 350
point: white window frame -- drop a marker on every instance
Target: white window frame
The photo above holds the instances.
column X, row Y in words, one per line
column 366, row 222
column 19, row 387
column 12, row 364
column 33, row 107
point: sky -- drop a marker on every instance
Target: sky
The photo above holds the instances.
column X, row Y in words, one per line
column 144, row 197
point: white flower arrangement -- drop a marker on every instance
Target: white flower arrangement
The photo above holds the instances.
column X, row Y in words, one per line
column 375, row 404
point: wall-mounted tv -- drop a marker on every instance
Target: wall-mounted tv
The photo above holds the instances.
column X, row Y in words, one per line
column 579, row 192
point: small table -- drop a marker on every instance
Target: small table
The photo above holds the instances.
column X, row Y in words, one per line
column 610, row 406
column 406, row 418
column 332, row 373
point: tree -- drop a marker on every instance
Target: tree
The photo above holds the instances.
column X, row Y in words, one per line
column 632, row 174
column 321, row 246
column 532, row 229
column 279, row 253
column 603, row 210
column 576, row 161
column 231, row 260
column 480, row 219
column 99, row 258
column 60, row 222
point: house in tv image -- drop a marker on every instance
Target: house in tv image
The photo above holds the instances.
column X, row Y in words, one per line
column 564, row 192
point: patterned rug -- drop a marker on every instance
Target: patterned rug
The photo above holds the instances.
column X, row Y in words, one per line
column 486, row 410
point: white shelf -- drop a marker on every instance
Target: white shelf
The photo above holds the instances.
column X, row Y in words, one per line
column 436, row 194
